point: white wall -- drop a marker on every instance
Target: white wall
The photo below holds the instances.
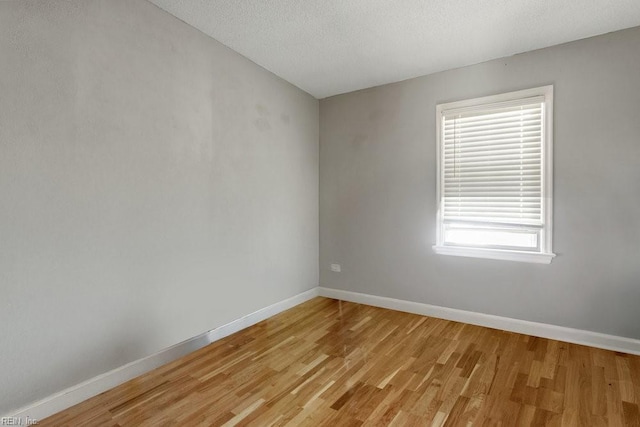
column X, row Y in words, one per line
column 378, row 190
column 154, row 185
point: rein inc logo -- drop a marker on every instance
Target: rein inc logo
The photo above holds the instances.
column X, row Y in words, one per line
column 18, row 421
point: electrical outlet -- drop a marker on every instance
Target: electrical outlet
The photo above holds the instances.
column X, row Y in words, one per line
column 336, row 268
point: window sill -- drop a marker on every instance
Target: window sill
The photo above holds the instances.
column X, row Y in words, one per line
column 521, row 256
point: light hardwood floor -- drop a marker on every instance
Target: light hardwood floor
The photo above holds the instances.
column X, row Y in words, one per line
column 333, row 363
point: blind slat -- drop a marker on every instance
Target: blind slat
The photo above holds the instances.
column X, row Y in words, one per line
column 497, row 215
column 502, row 168
column 515, row 145
column 496, row 199
column 491, row 137
column 456, row 133
column 490, row 124
column 489, row 162
column 486, row 175
column 496, row 142
column 524, row 152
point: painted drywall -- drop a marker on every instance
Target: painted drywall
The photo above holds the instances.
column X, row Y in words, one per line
column 378, row 191
column 154, row 185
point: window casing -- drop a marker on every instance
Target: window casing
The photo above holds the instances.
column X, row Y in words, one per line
column 495, row 176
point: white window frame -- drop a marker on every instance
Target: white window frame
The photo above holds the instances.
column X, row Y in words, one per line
column 545, row 254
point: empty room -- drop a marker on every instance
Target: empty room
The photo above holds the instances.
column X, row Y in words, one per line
column 320, row 213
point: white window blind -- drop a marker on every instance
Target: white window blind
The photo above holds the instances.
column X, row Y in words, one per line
column 492, row 174
column 493, row 164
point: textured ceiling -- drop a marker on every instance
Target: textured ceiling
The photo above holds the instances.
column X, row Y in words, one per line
column 327, row 47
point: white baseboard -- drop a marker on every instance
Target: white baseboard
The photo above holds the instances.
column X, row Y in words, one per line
column 94, row 386
column 560, row 333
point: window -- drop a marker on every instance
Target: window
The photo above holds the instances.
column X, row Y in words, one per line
column 495, row 176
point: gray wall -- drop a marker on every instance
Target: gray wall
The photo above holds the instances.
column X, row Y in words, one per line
column 154, row 185
column 378, row 190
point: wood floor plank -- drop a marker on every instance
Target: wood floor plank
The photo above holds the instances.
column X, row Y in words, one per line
column 333, row 363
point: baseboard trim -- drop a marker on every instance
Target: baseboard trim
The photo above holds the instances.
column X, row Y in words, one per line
column 94, row 386
column 560, row 333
